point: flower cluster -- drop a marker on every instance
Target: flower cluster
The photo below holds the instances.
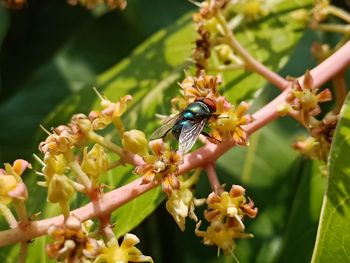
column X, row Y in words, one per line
column 228, row 121
column 123, row 253
column 229, row 125
column 211, row 23
column 225, row 215
column 181, row 202
column 11, row 183
column 161, row 166
column 92, row 4
column 110, row 113
column 318, row 144
column 305, row 98
column 64, row 151
column 72, row 242
column 207, row 29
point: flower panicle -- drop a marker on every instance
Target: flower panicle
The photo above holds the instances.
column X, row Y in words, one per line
column 228, row 121
column 72, row 241
column 161, row 166
column 305, row 98
column 225, row 213
column 92, row 4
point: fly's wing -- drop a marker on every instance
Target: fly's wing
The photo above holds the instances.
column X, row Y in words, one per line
column 166, row 126
column 189, row 135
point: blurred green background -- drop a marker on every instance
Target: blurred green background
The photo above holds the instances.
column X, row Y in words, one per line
column 50, row 50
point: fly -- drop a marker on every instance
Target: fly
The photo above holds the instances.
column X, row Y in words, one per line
column 188, row 124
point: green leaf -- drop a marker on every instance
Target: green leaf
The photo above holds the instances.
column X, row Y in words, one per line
column 130, row 215
column 305, row 211
column 333, row 236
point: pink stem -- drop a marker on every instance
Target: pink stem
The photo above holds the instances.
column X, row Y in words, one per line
column 213, row 179
column 206, row 154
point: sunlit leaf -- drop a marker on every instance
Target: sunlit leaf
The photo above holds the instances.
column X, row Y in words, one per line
column 333, row 236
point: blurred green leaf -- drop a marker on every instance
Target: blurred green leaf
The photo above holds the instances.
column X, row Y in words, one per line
column 333, row 236
column 302, row 225
column 271, row 184
column 4, row 23
column 134, row 212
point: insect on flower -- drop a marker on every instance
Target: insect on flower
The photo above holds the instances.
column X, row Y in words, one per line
column 188, row 124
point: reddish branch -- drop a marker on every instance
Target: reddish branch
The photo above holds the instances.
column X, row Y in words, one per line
column 200, row 158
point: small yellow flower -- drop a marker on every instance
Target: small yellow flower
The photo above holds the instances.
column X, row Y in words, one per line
column 221, row 235
column 60, row 189
column 320, row 11
column 254, row 9
column 7, row 184
column 317, row 146
column 92, row 4
column 204, row 86
column 229, row 125
column 95, row 162
column 181, row 202
column 305, row 98
column 231, row 204
column 11, row 183
column 225, row 213
column 60, row 141
column 110, row 112
column 135, row 141
column 308, row 146
column 80, row 126
column 161, row 166
column 54, row 164
column 126, row 252
column 71, row 242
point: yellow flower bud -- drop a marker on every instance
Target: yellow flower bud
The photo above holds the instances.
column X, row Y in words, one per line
column 135, row 141
column 301, row 15
column 95, row 162
column 224, row 52
column 60, row 189
column 54, row 164
column 7, row 184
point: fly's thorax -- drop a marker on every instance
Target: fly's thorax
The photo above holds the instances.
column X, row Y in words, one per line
column 196, row 111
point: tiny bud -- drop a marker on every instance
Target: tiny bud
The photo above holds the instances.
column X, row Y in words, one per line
column 82, row 121
column 60, row 189
column 301, row 16
column 224, row 52
column 95, row 162
column 135, row 141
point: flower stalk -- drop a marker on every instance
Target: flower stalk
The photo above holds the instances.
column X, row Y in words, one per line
column 250, row 62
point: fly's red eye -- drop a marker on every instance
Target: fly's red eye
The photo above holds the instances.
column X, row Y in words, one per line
column 210, row 103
